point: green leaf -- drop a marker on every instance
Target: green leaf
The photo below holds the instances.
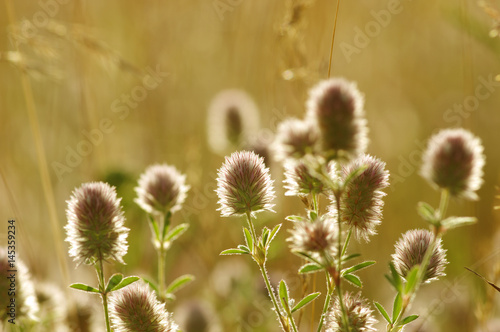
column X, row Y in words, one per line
column 382, row 311
column 125, row 282
column 152, row 285
column 113, row 281
column 179, row 283
column 176, row 232
column 408, row 320
column 396, row 278
column 306, row 256
column 295, row 218
column 358, row 267
column 427, row 212
column 353, row 279
column 310, row 268
column 85, row 288
column 233, row 251
column 305, row 301
column 244, row 248
column 398, row 305
column 349, row 257
column 273, row 233
column 454, row 222
column 154, row 225
column 265, row 236
column 312, row 215
column 283, row 292
column 411, row 279
column 248, row 238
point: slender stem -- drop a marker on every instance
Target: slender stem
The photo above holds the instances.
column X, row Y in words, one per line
column 263, row 271
column 328, row 298
column 443, row 204
column 348, row 238
column 104, row 295
column 161, row 270
column 338, row 283
column 333, row 37
column 271, row 294
column 315, row 203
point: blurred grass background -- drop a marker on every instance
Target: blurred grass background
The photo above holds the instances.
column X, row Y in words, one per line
column 429, row 57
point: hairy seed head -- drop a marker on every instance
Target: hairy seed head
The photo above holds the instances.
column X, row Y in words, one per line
column 232, row 118
column 454, row 160
column 317, row 237
column 299, row 181
column 294, row 139
column 361, row 202
column 410, row 251
column 162, row 188
column 136, row 308
column 244, row 185
column 359, row 315
column 95, row 229
column 336, row 107
column 20, row 288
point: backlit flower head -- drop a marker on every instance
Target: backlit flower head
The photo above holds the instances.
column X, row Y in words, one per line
column 295, row 138
column 454, row 160
column 299, row 181
column 336, row 107
column 361, row 202
column 232, row 118
column 316, row 236
column 136, row 308
column 244, row 185
column 410, row 251
column 162, row 188
column 358, row 312
column 18, row 286
column 95, row 229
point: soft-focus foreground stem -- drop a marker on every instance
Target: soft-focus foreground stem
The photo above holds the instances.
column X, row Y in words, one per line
column 102, row 288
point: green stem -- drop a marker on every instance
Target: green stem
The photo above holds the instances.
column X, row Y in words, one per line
column 104, row 295
column 338, row 282
column 315, row 203
column 161, row 270
column 328, row 298
column 263, row 271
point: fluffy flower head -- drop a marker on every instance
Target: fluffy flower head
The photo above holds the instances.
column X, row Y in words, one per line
column 410, row 251
column 295, row 138
column 359, row 315
column 454, row 160
column 135, row 308
column 299, row 181
column 361, row 203
column 316, row 236
column 162, row 188
column 336, row 107
column 95, row 229
column 244, row 185
column 232, row 117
